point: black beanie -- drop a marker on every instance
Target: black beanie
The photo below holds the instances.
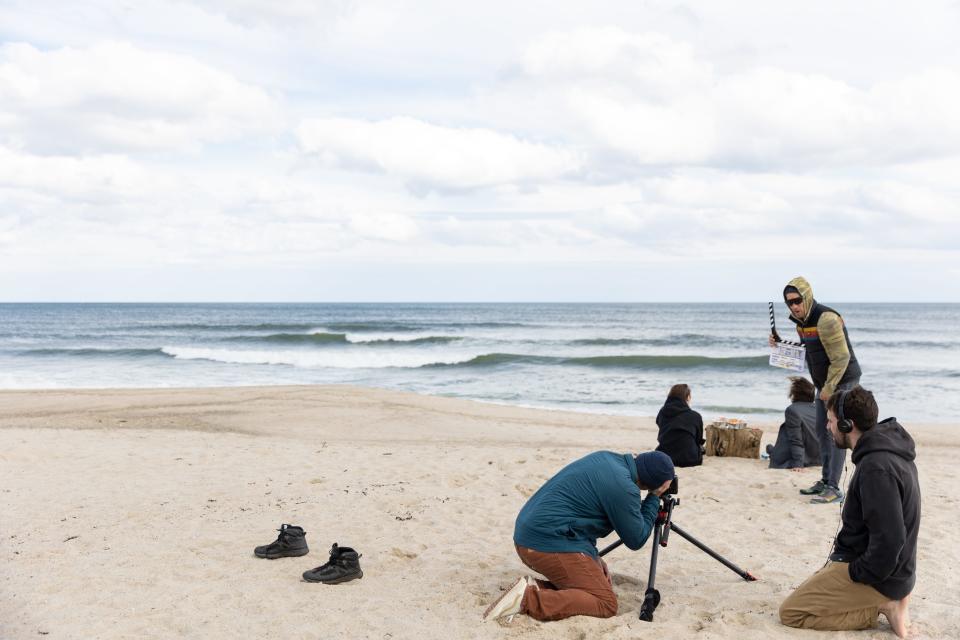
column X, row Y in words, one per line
column 654, row 468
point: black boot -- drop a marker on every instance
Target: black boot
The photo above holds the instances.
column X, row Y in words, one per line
column 291, row 542
column 344, row 565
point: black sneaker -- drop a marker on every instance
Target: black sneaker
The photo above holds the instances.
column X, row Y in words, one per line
column 291, row 543
column 816, row 489
column 344, row 566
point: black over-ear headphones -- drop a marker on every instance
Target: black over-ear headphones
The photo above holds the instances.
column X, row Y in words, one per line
column 844, row 425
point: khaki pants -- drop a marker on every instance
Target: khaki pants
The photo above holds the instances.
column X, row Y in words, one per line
column 576, row 585
column 830, row 601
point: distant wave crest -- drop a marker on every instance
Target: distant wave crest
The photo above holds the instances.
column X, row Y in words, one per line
column 203, row 326
column 686, row 339
column 322, row 338
column 374, row 326
column 318, row 338
column 315, row 359
column 401, row 358
column 87, row 352
column 734, row 410
column 627, row 362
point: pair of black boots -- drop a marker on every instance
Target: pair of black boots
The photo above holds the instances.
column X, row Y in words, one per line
column 343, row 566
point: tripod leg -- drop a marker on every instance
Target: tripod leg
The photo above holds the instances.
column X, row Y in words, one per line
column 651, row 597
column 610, row 548
column 746, row 575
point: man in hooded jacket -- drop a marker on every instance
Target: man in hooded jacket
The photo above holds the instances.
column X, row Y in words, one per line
column 872, row 569
column 832, row 365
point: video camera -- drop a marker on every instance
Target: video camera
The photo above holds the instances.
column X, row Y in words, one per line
column 672, row 490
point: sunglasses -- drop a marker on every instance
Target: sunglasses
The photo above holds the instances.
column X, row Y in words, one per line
column 793, row 301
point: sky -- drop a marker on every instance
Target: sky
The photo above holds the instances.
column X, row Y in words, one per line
column 399, row 150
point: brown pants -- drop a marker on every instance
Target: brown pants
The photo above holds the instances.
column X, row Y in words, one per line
column 830, row 601
column 576, row 585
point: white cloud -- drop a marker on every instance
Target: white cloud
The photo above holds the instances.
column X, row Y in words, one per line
column 116, row 96
column 621, row 217
column 289, row 13
column 908, row 201
column 651, row 64
column 87, row 179
column 657, row 101
column 299, row 133
column 392, row 227
column 429, row 156
column 679, row 133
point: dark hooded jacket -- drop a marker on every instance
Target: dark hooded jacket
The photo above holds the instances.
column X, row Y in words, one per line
column 797, row 442
column 881, row 515
column 681, row 433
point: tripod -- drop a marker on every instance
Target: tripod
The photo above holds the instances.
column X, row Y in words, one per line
column 661, row 533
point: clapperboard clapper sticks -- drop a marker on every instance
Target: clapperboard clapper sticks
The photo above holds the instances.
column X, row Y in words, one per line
column 786, row 354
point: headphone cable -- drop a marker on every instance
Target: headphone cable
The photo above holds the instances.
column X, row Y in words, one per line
column 843, row 479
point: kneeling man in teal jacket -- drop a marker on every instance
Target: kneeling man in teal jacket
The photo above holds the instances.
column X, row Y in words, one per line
column 556, row 533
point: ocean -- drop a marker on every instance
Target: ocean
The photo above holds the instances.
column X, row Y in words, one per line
column 604, row 358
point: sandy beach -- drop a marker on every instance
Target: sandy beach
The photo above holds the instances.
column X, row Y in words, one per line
column 134, row 513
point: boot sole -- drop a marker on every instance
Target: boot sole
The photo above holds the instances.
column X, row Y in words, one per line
column 288, row 554
column 354, row 576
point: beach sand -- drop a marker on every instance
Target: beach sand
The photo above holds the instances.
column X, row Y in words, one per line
column 134, row 513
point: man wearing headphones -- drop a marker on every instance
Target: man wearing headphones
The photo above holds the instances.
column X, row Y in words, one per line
column 872, row 569
column 832, row 365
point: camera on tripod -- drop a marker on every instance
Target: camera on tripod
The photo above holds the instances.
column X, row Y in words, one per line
column 672, row 490
column 663, row 525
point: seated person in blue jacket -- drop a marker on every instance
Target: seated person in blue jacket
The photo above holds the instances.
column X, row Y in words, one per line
column 681, row 429
column 798, row 444
column 556, row 533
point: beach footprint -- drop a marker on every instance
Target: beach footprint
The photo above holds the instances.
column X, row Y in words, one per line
column 462, row 480
column 526, row 490
column 404, row 555
column 625, row 580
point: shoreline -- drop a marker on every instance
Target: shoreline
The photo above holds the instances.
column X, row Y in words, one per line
column 223, row 392
column 135, row 512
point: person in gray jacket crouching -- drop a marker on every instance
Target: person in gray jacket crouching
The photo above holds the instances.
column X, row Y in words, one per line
column 798, row 444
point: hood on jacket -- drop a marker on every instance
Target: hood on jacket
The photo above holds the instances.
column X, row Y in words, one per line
column 673, row 407
column 803, row 287
column 885, row 436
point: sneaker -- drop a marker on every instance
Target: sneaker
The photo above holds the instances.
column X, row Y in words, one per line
column 343, row 566
column 509, row 603
column 816, row 489
column 291, row 543
column 829, row 495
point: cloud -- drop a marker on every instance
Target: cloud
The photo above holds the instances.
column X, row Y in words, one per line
column 679, row 133
column 289, row 14
column 651, row 64
column 656, row 101
column 256, row 133
column 115, row 210
column 428, row 156
column 114, row 96
column 102, row 178
column 392, row 227
column 909, row 201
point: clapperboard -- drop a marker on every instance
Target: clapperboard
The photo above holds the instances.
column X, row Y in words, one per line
column 786, row 354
